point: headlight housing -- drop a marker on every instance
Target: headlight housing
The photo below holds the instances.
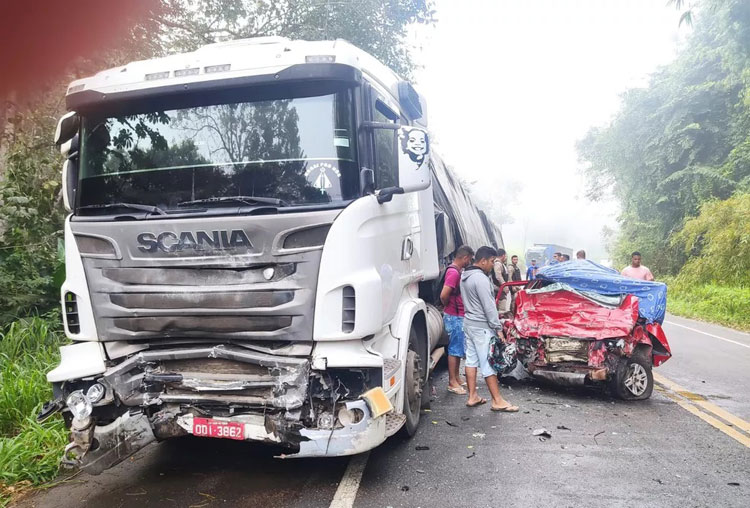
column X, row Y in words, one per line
column 79, row 405
column 95, row 393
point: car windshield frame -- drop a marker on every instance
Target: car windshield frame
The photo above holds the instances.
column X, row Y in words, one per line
column 318, row 125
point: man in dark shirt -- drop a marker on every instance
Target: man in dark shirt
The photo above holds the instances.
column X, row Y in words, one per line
column 453, row 316
column 515, row 270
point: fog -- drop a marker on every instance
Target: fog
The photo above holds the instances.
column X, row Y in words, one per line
column 512, row 85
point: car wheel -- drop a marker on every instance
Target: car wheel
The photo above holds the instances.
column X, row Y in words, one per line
column 633, row 379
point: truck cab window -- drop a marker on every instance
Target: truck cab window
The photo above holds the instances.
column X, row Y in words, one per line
column 386, row 159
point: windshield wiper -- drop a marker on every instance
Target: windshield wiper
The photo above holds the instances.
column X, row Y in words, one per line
column 132, row 206
column 245, row 200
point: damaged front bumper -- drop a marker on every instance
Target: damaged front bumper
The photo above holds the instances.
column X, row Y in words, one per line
column 278, row 400
column 99, row 447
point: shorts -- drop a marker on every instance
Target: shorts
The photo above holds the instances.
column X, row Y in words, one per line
column 478, row 349
column 454, row 327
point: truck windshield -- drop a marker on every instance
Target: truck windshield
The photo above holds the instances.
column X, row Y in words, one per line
column 297, row 151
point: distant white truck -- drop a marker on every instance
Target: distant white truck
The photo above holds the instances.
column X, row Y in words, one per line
column 255, row 233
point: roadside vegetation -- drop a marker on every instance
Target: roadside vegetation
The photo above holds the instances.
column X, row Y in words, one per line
column 29, row 451
column 677, row 159
column 31, row 212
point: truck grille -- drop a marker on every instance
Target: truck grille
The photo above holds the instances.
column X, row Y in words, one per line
column 265, row 293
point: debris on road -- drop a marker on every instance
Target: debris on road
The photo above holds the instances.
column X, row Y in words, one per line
column 420, row 471
column 734, row 484
column 480, row 435
column 404, row 488
column 598, row 434
column 542, row 433
column 451, row 423
column 562, row 427
column 421, row 448
column 473, row 454
column 465, row 418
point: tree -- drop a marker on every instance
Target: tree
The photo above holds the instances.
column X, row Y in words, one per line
column 681, row 141
column 377, row 26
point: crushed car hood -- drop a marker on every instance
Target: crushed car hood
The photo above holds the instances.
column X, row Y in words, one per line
column 563, row 313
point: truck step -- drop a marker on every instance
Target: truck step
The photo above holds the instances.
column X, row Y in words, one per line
column 393, row 422
column 391, row 367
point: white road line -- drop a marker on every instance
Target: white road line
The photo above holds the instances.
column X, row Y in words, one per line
column 709, row 334
column 349, row 484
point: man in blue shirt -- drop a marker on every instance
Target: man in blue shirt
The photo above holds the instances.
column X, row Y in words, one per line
column 531, row 270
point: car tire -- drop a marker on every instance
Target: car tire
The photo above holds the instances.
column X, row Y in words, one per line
column 413, row 392
column 633, row 379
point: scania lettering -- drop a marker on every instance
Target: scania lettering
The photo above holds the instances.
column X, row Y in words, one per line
column 256, row 231
column 201, row 240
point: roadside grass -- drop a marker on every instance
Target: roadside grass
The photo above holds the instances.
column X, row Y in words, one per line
column 29, row 452
column 725, row 305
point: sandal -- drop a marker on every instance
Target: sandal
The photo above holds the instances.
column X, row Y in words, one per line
column 477, row 403
column 506, row 409
column 458, row 391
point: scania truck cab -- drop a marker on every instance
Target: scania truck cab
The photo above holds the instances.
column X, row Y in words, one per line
column 249, row 227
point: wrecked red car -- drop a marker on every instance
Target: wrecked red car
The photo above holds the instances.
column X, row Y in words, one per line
column 576, row 337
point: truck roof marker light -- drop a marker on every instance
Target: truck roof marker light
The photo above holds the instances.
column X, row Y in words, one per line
column 210, row 69
column 153, row 76
column 320, row 58
column 187, row 72
column 76, row 88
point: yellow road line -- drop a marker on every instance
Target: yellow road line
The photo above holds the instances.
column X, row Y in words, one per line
column 702, row 402
column 717, row 424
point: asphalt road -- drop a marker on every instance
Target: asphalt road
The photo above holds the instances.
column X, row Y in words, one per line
column 675, row 449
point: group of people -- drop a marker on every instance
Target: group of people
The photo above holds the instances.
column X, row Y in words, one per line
column 557, row 257
column 471, row 319
column 471, row 315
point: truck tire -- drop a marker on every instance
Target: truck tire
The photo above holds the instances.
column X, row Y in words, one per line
column 633, row 379
column 412, row 387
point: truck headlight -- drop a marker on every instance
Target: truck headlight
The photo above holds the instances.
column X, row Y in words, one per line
column 95, row 393
column 79, row 405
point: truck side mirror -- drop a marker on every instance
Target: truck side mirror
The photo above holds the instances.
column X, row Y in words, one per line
column 67, row 127
column 408, row 97
column 413, row 159
column 69, row 149
column 69, row 183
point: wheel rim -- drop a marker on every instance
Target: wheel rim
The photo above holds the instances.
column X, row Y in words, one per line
column 413, row 382
column 636, row 379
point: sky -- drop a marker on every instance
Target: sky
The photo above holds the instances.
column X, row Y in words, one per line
column 511, row 85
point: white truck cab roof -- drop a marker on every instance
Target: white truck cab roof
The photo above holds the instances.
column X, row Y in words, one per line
column 243, row 58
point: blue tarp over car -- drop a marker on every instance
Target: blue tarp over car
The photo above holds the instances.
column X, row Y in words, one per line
column 587, row 276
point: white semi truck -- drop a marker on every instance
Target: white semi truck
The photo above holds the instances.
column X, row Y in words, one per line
column 255, row 234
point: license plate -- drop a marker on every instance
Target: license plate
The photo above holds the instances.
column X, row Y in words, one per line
column 206, row 427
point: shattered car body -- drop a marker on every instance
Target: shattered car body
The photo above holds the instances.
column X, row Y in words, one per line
column 572, row 337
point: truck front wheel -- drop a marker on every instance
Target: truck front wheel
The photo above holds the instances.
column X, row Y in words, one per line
column 412, row 387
